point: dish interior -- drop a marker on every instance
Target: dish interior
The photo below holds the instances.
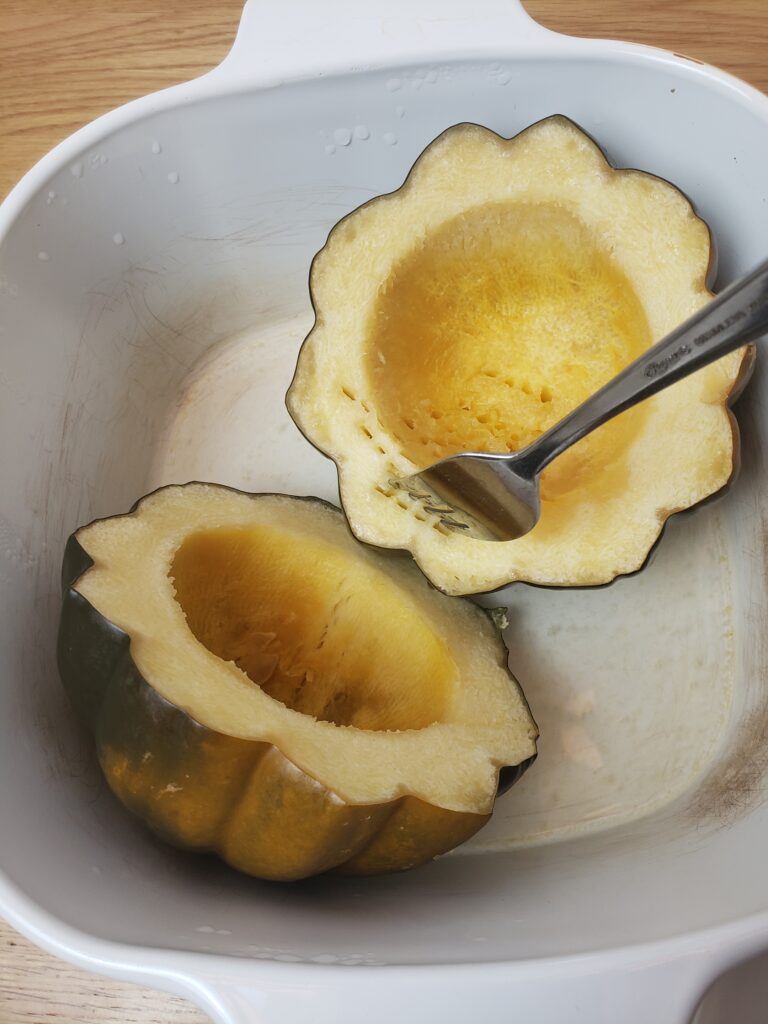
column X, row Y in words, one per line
column 166, row 358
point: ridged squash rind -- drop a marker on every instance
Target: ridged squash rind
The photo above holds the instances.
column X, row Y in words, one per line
column 206, row 790
column 686, row 446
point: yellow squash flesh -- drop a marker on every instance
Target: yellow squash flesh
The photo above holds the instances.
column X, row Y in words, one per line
column 260, row 685
column 505, row 282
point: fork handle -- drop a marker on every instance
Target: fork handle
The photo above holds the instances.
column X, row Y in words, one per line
column 737, row 316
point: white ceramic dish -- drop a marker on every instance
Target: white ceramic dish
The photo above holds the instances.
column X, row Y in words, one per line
column 153, row 295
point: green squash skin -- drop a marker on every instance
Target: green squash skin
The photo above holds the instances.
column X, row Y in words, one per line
column 127, row 717
column 204, row 791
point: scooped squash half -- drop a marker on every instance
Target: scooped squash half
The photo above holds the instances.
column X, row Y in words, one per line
column 471, row 310
column 261, row 685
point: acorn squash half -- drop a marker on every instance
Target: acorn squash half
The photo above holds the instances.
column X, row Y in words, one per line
column 261, row 685
column 506, row 281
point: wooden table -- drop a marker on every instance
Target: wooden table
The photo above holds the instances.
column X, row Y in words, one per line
column 64, row 62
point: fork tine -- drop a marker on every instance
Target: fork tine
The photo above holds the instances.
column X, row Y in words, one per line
column 481, row 496
column 446, row 514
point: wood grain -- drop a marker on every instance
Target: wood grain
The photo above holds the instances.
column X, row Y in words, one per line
column 64, row 62
column 36, row 988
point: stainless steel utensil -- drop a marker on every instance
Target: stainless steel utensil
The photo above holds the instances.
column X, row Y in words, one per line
column 496, row 497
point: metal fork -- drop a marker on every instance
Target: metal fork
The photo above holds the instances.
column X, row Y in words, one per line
column 496, row 497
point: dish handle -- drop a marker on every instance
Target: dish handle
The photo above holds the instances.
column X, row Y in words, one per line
column 303, row 38
column 659, row 988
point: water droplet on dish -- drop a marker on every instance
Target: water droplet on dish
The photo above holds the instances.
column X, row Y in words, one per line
column 390, row 138
column 431, row 77
column 64, row 201
column 400, row 111
column 325, row 958
column 103, row 160
column 205, row 929
column 43, row 257
column 504, row 78
column 342, row 136
column 362, row 131
column 51, row 196
column 76, row 170
column 223, row 931
column 173, row 177
column 417, row 81
column 330, row 149
column 394, row 84
column 156, row 147
column 118, row 238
